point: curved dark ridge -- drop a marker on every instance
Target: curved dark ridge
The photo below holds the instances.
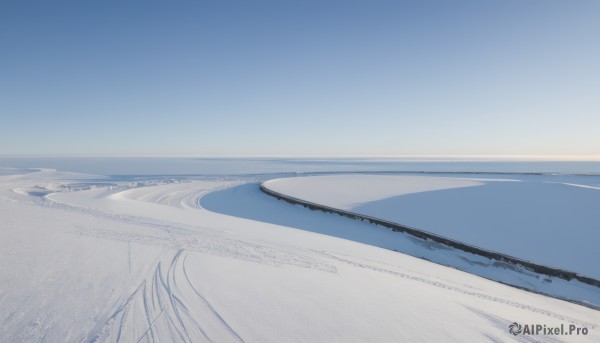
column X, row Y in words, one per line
column 538, row 268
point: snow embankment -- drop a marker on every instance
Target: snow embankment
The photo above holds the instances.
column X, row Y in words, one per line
column 524, row 223
column 349, row 191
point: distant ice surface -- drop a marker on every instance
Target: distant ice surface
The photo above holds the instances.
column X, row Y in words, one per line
column 201, row 255
column 138, row 166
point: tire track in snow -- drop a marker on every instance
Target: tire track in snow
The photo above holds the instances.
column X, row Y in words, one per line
column 167, row 306
column 208, row 304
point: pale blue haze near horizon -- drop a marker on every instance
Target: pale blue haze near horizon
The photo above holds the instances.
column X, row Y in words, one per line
column 300, row 77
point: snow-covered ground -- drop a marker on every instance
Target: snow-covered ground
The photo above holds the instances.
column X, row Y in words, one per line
column 92, row 258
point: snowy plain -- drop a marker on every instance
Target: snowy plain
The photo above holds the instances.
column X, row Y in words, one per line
column 96, row 257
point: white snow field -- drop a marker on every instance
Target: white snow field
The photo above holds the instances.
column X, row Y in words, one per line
column 88, row 258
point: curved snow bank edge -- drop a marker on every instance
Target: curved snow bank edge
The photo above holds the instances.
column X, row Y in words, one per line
column 537, row 268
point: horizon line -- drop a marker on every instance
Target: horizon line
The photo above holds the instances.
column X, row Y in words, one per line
column 464, row 157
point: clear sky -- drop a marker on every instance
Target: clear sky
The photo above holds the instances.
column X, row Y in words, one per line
column 300, row 77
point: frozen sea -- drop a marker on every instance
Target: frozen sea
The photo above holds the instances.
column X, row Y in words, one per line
column 152, row 166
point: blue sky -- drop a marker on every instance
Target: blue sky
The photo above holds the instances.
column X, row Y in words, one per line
column 300, row 77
